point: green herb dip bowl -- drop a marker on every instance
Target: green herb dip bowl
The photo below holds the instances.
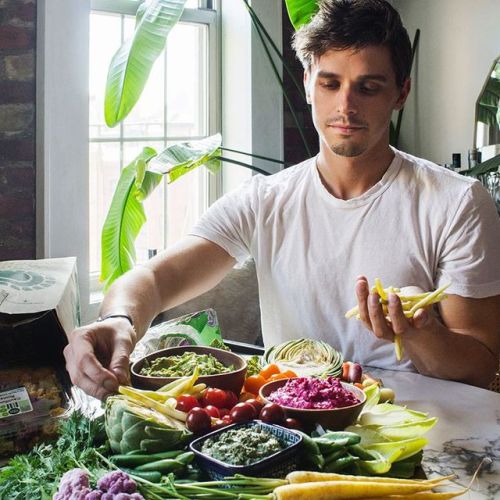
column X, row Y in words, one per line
column 230, row 381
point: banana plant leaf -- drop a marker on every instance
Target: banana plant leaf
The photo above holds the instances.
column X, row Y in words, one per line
column 301, row 11
column 137, row 181
column 488, row 107
column 490, row 165
column 179, row 159
column 131, row 65
column 125, row 218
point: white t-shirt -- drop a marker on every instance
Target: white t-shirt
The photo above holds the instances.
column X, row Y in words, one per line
column 420, row 225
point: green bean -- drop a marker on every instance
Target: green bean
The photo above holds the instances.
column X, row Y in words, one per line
column 151, row 476
column 163, row 466
column 134, row 460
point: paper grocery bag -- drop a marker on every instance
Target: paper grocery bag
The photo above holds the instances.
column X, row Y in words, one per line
column 39, row 306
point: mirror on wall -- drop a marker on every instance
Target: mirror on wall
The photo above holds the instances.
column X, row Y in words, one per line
column 487, row 121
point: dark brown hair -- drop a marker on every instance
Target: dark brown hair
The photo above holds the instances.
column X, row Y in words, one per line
column 354, row 24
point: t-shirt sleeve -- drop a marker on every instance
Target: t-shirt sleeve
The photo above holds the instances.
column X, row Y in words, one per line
column 230, row 221
column 470, row 259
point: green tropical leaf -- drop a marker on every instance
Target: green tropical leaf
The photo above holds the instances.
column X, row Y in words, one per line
column 125, row 219
column 131, row 65
column 179, row 159
column 490, row 165
column 300, row 12
column 488, row 107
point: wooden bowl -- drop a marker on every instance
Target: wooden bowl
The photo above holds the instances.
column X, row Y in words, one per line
column 230, row 381
column 332, row 419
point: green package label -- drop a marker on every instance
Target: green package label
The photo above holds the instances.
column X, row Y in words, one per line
column 14, row 402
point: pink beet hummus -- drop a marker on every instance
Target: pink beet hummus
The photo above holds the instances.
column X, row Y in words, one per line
column 310, row 393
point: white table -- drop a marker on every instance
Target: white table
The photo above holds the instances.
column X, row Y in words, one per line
column 467, row 431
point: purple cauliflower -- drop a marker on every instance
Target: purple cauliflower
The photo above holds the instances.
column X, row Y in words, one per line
column 122, row 496
column 74, row 485
column 117, row 482
column 94, row 495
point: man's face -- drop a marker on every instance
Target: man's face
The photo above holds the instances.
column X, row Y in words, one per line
column 353, row 94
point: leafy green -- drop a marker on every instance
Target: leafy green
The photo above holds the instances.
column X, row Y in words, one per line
column 254, row 365
column 132, row 63
column 300, row 12
column 36, row 475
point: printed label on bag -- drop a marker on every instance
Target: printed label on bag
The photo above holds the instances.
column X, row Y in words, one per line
column 14, row 402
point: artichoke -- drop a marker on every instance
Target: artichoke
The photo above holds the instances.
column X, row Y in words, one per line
column 131, row 427
column 306, row 357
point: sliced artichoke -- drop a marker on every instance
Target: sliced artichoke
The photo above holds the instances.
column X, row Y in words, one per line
column 306, row 357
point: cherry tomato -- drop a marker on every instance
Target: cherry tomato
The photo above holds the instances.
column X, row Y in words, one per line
column 212, row 411
column 254, row 383
column 269, row 370
column 223, row 412
column 185, row 402
column 219, row 423
column 257, row 404
column 293, row 423
column 215, row 397
column 242, row 412
column 231, row 399
column 198, row 420
column 227, row 419
column 272, row 413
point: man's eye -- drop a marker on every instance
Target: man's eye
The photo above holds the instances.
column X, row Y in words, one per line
column 330, row 85
column 369, row 89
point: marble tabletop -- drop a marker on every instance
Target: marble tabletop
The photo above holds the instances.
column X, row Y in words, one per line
column 467, row 431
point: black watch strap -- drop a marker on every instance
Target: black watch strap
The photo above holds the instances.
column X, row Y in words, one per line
column 108, row 316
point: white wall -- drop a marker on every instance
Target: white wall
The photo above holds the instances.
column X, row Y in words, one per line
column 459, row 40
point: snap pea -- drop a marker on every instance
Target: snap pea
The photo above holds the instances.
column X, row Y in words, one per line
column 340, row 436
column 185, row 458
column 360, row 452
column 134, row 460
column 164, row 466
column 327, row 446
column 151, row 476
column 341, row 463
column 312, row 453
column 331, row 457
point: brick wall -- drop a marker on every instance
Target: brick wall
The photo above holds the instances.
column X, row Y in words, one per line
column 295, row 150
column 17, row 129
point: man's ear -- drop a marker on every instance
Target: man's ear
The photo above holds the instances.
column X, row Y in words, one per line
column 405, row 90
column 307, row 77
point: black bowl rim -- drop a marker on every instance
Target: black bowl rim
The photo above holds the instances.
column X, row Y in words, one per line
column 361, row 403
column 240, row 468
column 207, row 377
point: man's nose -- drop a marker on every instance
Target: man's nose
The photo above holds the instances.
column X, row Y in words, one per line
column 346, row 103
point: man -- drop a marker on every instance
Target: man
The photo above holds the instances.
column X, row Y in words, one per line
column 320, row 230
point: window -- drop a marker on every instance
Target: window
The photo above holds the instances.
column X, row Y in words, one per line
column 176, row 105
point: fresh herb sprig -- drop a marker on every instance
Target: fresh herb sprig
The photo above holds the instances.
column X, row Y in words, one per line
column 36, row 475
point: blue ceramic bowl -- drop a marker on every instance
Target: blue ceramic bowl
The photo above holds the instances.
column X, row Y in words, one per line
column 277, row 465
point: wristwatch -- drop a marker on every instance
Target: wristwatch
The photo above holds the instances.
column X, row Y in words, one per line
column 117, row 315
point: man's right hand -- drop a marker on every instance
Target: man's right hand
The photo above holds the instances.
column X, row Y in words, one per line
column 97, row 356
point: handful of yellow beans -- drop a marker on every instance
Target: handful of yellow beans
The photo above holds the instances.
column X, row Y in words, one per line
column 410, row 303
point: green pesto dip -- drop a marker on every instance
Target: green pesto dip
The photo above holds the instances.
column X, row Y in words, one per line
column 243, row 446
column 184, row 365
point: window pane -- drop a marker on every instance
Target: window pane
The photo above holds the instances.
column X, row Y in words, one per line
column 187, row 79
column 105, row 37
column 104, row 175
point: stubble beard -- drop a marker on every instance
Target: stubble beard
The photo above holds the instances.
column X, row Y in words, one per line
column 347, row 150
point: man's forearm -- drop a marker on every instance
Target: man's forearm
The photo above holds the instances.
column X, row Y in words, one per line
column 442, row 353
column 135, row 295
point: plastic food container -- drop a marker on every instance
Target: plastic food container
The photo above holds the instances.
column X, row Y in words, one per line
column 277, row 465
column 32, row 403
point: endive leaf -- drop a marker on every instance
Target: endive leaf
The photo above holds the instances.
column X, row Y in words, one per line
column 131, row 65
column 182, row 158
column 372, row 393
column 123, row 221
column 379, row 465
column 408, row 430
column 368, row 435
column 390, row 414
column 398, row 450
column 300, row 12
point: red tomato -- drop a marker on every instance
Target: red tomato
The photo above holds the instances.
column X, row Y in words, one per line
column 242, row 412
column 258, row 405
column 198, row 420
column 186, row 402
column 223, row 412
column 231, row 399
column 227, row 419
column 293, row 423
column 272, row 414
column 219, row 423
column 215, row 397
column 212, row 411
column 245, row 396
